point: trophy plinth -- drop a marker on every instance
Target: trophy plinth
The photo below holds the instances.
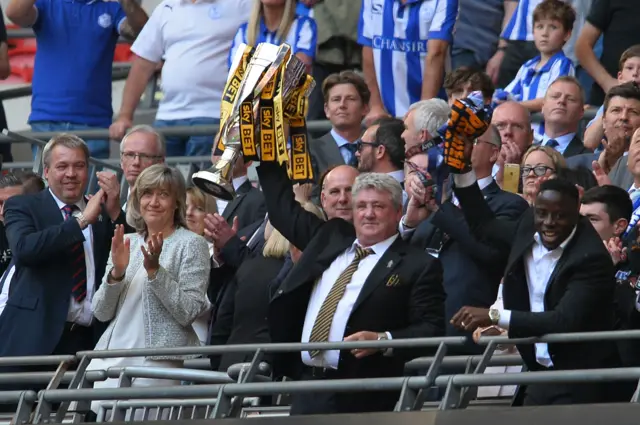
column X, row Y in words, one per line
column 214, row 181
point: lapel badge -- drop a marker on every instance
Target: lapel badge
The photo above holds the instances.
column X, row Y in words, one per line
column 100, row 218
column 390, row 264
column 393, row 280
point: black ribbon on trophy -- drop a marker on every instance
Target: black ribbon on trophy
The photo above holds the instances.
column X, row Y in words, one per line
column 266, row 92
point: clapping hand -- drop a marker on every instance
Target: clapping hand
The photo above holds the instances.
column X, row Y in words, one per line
column 120, row 252
column 152, row 253
column 616, row 250
column 108, row 182
column 421, row 202
column 218, row 231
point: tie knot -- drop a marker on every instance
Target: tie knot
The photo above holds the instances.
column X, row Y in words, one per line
column 351, row 147
column 362, row 252
column 68, row 210
column 552, row 143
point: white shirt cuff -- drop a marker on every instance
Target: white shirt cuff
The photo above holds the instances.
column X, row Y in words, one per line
column 388, row 351
column 404, row 230
column 638, row 302
column 505, row 318
column 465, row 180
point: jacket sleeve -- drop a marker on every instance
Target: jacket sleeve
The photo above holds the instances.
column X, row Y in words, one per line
column 106, row 299
column 223, row 322
column 296, row 224
column 185, row 298
column 425, row 309
column 32, row 247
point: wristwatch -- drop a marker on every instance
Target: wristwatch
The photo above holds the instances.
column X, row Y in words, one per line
column 382, row 336
column 494, row 315
column 80, row 217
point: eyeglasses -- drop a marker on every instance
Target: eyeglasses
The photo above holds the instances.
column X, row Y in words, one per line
column 538, row 170
column 362, row 144
column 131, row 156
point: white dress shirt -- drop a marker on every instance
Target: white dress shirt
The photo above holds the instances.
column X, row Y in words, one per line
column 81, row 313
column 482, row 183
column 330, row 359
column 237, row 182
column 563, row 141
column 4, row 295
column 539, row 266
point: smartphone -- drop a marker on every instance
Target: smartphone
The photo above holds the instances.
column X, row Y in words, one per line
column 511, row 178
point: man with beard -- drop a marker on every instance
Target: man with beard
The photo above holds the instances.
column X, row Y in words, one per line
column 381, row 150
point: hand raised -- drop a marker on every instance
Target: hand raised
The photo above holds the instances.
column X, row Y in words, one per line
column 120, row 251
column 218, row 231
column 108, row 182
column 94, row 207
column 152, row 253
column 598, row 172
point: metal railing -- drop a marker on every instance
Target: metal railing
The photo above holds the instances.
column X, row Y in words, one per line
column 226, row 397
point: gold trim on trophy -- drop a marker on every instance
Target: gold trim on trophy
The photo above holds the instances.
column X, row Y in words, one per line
column 266, row 92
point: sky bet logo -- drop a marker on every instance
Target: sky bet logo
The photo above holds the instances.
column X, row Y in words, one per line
column 399, row 45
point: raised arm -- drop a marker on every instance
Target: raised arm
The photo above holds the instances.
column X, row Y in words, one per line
column 296, row 224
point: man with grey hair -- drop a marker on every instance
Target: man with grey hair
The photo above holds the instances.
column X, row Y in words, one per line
column 348, row 274
column 60, row 242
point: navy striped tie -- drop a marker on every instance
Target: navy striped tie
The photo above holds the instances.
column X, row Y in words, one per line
column 78, row 263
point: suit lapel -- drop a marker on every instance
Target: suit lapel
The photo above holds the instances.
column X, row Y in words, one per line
column 51, row 213
column 233, row 205
column 334, row 156
column 383, row 268
column 575, row 147
column 522, row 243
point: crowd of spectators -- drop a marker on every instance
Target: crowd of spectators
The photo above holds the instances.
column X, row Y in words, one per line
column 539, row 234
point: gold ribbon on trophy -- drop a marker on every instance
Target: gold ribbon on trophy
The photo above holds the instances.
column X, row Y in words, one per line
column 266, row 91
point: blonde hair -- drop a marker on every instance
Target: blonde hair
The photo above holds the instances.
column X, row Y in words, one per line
column 253, row 27
column 155, row 177
column 277, row 246
column 204, row 201
column 556, row 157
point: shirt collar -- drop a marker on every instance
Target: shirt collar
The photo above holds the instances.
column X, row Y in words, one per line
column 484, row 182
column 562, row 246
column 398, row 175
column 340, row 141
column 378, row 249
column 563, row 141
column 239, row 181
column 80, row 204
column 263, row 28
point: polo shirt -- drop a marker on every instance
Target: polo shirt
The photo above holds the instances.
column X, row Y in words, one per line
column 193, row 39
column 73, row 62
column 398, row 36
column 520, row 26
column 304, row 10
column 302, row 37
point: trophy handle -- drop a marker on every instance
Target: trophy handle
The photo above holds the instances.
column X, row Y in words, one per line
column 218, row 180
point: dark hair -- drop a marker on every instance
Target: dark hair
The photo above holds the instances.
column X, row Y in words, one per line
column 564, row 187
column 346, row 77
column 31, row 182
column 389, row 135
column 581, row 176
column 456, row 80
column 631, row 52
column 629, row 90
column 9, row 180
column 616, row 201
column 556, row 10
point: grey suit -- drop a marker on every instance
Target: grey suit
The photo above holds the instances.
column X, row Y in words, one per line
column 325, row 153
column 620, row 175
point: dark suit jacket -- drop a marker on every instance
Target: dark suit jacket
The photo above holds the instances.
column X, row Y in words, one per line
column 412, row 308
column 248, row 206
column 575, row 147
column 242, row 315
column 579, row 296
column 325, row 153
column 472, row 269
column 34, row 318
column 582, row 160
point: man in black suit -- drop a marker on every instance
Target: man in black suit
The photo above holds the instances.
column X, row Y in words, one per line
column 371, row 285
column 563, row 108
column 346, row 103
column 60, row 243
column 471, row 274
column 558, row 277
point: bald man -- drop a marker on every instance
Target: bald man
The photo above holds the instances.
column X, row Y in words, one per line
column 335, row 195
column 513, row 122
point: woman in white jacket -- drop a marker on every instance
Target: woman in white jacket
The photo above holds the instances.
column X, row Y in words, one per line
column 156, row 280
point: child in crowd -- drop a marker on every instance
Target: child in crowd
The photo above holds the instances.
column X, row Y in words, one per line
column 629, row 70
column 277, row 22
column 552, row 25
